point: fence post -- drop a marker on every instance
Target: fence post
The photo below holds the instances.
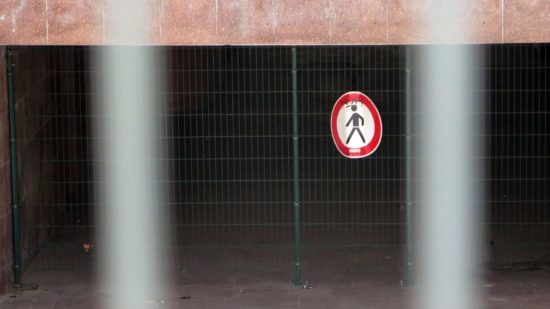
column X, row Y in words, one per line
column 13, row 167
column 409, row 281
column 297, row 245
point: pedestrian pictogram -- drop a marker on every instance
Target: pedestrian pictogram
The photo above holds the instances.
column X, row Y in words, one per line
column 355, row 118
column 356, row 125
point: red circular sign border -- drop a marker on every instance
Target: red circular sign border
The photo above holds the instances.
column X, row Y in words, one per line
column 376, row 139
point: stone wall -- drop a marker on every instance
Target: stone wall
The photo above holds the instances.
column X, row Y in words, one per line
column 30, row 82
column 47, row 109
column 6, row 252
column 44, row 89
column 271, row 22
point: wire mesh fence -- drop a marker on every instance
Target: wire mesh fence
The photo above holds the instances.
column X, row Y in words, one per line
column 229, row 165
column 352, row 209
column 518, row 152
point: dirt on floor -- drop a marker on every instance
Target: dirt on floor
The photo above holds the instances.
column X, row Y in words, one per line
column 251, row 278
column 512, row 288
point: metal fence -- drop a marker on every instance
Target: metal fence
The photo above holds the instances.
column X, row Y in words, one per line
column 353, row 210
column 230, row 167
column 518, row 151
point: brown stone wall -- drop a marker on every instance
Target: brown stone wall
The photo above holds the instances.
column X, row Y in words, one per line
column 49, row 133
column 30, row 81
column 6, row 253
column 213, row 22
column 48, row 101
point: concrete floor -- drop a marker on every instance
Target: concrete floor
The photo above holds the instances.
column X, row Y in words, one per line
column 369, row 289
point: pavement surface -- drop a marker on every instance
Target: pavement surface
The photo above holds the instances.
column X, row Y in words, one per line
column 368, row 289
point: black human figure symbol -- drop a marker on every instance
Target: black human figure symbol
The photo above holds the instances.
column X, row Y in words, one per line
column 355, row 119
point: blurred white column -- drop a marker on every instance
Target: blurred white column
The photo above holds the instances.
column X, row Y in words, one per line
column 449, row 190
column 130, row 213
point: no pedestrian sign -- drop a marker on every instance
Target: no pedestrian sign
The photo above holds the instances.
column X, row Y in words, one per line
column 356, row 125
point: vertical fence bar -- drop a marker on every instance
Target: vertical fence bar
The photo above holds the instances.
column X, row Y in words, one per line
column 13, row 165
column 297, row 245
column 409, row 281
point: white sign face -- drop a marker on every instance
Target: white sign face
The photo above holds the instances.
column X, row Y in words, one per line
column 356, row 125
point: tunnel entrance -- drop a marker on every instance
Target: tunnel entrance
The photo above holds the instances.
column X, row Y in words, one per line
column 229, row 168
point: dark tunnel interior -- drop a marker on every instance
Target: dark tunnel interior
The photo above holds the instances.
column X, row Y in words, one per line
column 229, row 165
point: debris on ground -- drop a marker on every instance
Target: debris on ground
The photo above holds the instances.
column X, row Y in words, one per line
column 521, row 266
column 490, row 284
column 156, row 302
column 88, row 246
column 498, row 299
column 307, row 285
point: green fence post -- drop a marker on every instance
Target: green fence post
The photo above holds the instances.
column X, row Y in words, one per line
column 13, row 167
column 409, row 281
column 297, row 245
